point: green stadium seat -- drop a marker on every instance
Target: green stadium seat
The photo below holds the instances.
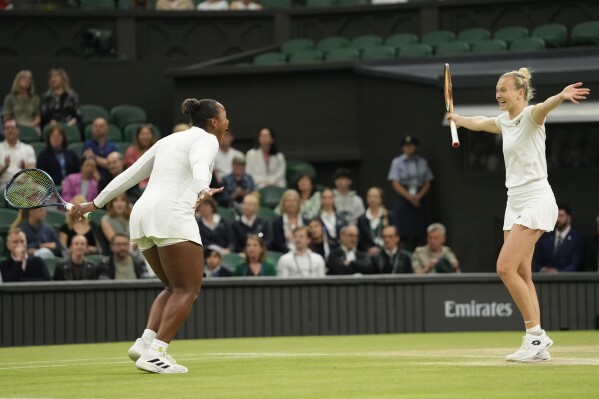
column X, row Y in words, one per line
column 473, row 35
column 332, row 42
column 38, row 146
column 51, row 264
column 301, row 43
column 554, row 34
column 366, row 41
column 89, row 112
column 231, row 260
column 97, row 215
column 114, row 132
column 131, row 130
column 342, row 55
column 72, row 132
column 306, row 57
column 270, row 58
column 401, row 39
column 55, row 218
column 273, row 256
column 379, row 53
column 489, row 46
column 352, row 2
column 528, row 44
column 97, row 259
column 437, row 37
column 97, row 5
column 452, row 48
column 320, row 3
column 585, row 34
column 510, row 33
column 122, row 146
column 7, row 216
column 226, row 213
column 122, row 115
column 267, row 213
column 415, row 50
column 276, row 3
column 77, row 148
column 270, row 195
column 296, row 168
column 28, row 134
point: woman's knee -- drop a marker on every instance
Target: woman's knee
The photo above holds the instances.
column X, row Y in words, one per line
column 505, row 268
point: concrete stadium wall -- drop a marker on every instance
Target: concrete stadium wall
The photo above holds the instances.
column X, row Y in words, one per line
column 84, row 312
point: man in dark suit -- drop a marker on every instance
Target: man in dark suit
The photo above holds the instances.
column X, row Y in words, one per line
column 347, row 259
column 561, row 250
column 391, row 258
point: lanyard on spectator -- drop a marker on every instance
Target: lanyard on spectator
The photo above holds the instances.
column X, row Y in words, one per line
column 297, row 266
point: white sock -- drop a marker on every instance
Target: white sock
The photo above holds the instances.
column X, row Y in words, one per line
column 158, row 346
column 148, row 336
column 536, row 330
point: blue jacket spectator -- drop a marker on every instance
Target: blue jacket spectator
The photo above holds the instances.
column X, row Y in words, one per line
column 41, row 237
column 99, row 146
column 236, row 184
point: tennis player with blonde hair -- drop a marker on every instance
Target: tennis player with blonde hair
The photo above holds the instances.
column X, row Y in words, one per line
column 531, row 207
column 163, row 225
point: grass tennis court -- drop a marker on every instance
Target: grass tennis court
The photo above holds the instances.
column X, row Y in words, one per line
column 447, row 365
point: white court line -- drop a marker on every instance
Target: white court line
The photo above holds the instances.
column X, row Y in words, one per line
column 252, row 355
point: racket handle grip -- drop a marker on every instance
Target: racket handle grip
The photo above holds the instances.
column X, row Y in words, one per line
column 455, row 141
column 69, row 206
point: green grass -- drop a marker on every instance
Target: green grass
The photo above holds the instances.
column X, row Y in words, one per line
column 450, row 365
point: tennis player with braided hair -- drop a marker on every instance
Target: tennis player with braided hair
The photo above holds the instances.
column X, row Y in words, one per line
column 531, row 207
column 162, row 224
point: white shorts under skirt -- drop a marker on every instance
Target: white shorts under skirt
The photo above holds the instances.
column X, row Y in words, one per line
column 148, row 242
column 532, row 205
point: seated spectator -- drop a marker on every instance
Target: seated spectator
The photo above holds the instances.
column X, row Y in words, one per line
column 121, row 264
column 250, row 223
column 84, row 183
column 223, row 163
column 213, row 264
column 14, row 155
column 289, row 220
column 265, row 163
column 144, row 139
column 41, row 237
column 181, row 127
column 84, row 227
column 309, row 197
column 561, row 250
column 137, row 5
column 372, row 222
column 99, row 146
column 236, row 184
column 19, row 266
column 115, row 166
column 174, row 5
column 22, row 104
column 347, row 202
column 434, row 257
column 77, row 267
column 60, row 104
column 255, row 259
column 319, row 242
column 213, row 5
column 331, row 220
column 245, row 5
column 391, row 259
column 116, row 220
column 56, row 159
column 301, row 262
column 215, row 231
column 347, row 259
column 593, row 258
column 6, row 5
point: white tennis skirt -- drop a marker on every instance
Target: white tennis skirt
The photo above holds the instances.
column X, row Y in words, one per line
column 532, row 205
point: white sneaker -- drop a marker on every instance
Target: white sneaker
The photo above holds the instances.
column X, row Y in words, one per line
column 532, row 345
column 159, row 363
column 543, row 356
column 138, row 348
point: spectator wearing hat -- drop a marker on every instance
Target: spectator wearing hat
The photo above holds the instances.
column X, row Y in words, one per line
column 410, row 178
column 237, row 184
column 347, row 203
column 213, row 262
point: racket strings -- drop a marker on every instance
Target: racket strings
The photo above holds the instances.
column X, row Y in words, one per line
column 30, row 189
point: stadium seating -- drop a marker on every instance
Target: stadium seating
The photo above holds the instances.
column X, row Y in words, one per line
column 72, row 132
column 474, row 35
column 114, row 132
column 77, row 148
column 415, row 50
column 122, row 146
column 437, row 37
column 489, row 46
column 452, row 48
column 554, row 34
column 528, row 44
column 366, row 41
column 401, row 39
column 89, row 112
column 276, row 3
column 301, row 43
column 122, row 115
column 51, row 264
column 97, row 5
column 38, row 146
column 306, row 57
column 379, row 53
column 97, row 215
column 269, row 58
column 320, row 3
column 267, row 213
column 332, row 42
column 510, row 33
column 7, row 216
column 231, row 260
column 226, row 213
column 342, row 55
column 28, row 134
column 273, row 256
column 295, row 168
column 585, row 34
column 270, row 196
column 97, row 259
column 55, row 218
column 131, row 130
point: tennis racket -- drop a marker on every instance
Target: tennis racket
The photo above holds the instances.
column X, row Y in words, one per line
column 34, row 188
column 455, row 141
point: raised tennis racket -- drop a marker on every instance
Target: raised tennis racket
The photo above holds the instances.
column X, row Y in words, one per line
column 34, row 188
column 455, row 141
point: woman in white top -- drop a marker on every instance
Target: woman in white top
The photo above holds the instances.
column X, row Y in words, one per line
column 531, row 208
column 163, row 225
column 265, row 163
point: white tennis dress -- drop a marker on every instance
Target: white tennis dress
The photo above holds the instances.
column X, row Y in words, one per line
column 530, row 202
column 179, row 167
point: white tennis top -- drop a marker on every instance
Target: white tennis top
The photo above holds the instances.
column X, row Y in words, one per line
column 523, row 148
column 179, row 167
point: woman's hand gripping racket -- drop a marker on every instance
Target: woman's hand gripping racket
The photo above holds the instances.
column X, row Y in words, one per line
column 34, row 188
column 455, row 142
